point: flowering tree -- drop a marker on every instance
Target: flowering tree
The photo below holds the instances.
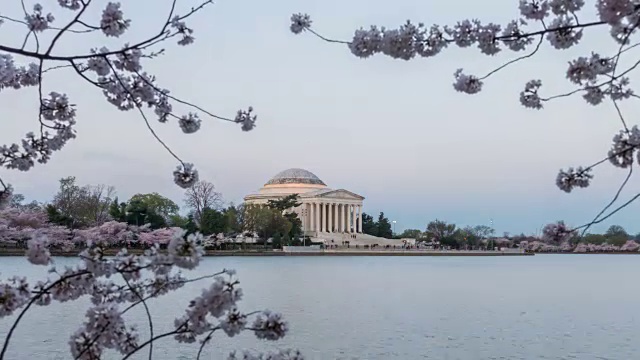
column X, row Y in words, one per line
column 18, row 226
column 557, row 234
column 598, row 77
column 114, row 285
column 117, row 73
column 142, row 277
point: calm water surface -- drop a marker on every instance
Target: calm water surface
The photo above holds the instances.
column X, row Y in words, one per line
column 540, row 307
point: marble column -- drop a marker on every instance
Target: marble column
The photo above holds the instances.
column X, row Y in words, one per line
column 330, row 213
column 316, row 219
column 348, row 218
column 355, row 218
column 344, row 218
column 324, row 216
column 360, row 218
column 308, row 216
column 312, row 213
column 328, row 223
column 335, row 217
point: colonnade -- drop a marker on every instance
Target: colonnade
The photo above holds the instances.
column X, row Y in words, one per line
column 332, row 217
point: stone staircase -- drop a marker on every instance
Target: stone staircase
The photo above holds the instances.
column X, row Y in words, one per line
column 354, row 239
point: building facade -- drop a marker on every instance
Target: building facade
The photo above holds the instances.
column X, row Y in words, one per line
column 322, row 210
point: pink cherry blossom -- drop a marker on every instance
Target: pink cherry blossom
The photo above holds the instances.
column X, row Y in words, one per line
column 630, row 246
column 118, row 283
column 597, row 76
column 146, row 276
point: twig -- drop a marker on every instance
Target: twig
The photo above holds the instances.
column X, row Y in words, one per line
column 85, row 6
column 33, row 300
column 92, row 28
column 146, row 309
column 515, row 60
column 205, row 341
column 139, row 108
column 151, row 340
column 634, row 198
column 166, row 93
column 615, row 198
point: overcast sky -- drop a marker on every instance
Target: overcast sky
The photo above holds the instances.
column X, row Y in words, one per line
column 395, row 132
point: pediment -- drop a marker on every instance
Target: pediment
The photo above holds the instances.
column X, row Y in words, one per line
column 341, row 194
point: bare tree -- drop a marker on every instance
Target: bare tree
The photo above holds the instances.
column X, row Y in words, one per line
column 17, row 202
column 200, row 196
column 86, row 205
column 97, row 199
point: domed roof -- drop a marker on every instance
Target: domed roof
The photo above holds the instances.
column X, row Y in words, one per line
column 295, row 176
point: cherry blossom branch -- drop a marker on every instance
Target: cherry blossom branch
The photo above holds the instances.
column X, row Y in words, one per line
column 586, row 227
column 511, row 62
column 146, row 309
column 75, row 20
column 63, row 278
column 35, row 298
column 151, row 340
column 110, row 66
column 597, row 76
column 142, row 114
column 627, row 203
column 167, row 285
column 205, row 341
column 93, row 341
column 90, row 28
column 166, row 93
column 104, row 327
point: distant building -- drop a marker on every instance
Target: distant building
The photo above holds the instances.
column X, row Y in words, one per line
column 324, row 212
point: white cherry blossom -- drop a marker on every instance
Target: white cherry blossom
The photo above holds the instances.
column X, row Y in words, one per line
column 529, row 97
column 598, row 77
column 572, row 178
column 112, row 284
column 300, row 22
column 113, row 22
column 469, row 84
column 37, row 21
column 534, row 9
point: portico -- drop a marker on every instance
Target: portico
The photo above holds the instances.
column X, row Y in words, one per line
column 332, row 211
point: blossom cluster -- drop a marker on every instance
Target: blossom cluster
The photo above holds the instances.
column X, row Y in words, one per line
column 17, row 226
column 539, row 246
column 557, row 233
column 143, row 277
column 629, row 246
column 286, row 354
column 558, row 237
column 118, row 73
column 558, row 22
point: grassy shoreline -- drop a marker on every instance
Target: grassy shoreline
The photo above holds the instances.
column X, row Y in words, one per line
column 211, row 253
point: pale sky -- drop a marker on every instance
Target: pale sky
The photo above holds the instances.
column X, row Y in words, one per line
column 395, row 132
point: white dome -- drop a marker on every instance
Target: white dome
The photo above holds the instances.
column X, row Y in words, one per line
column 295, row 176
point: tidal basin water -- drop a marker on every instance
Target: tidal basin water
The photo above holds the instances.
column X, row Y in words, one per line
column 446, row 308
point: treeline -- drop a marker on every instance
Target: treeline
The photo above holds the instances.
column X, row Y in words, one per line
column 483, row 237
column 451, row 236
column 79, row 207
